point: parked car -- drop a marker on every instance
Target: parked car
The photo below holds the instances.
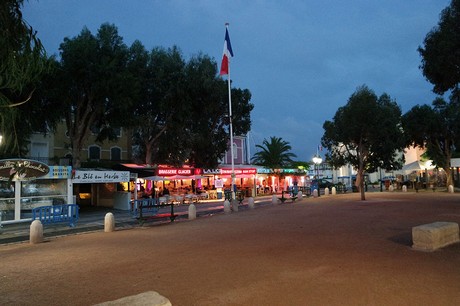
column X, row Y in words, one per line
column 323, row 183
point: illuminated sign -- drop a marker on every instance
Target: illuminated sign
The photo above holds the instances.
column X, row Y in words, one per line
column 174, row 171
column 82, row 176
column 225, row 171
column 59, row 172
column 22, row 169
column 239, row 171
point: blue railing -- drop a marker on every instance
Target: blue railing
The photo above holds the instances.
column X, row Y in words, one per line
column 56, row 213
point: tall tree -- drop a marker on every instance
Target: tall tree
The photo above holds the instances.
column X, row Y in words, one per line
column 209, row 124
column 182, row 112
column 160, row 109
column 22, row 63
column 92, row 85
column 441, row 51
column 436, row 128
column 274, row 154
column 365, row 133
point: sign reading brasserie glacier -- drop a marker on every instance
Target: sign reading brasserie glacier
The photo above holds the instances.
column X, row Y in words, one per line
column 93, row 176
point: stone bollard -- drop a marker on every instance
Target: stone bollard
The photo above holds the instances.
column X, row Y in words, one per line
column 109, row 223
column 274, row 199
column 152, row 298
column 315, row 193
column 36, row 232
column 251, row 203
column 326, row 191
column 192, row 212
column 299, row 196
column 451, row 189
column 227, row 209
column 334, row 191
column 235, row 205
column 404, row 188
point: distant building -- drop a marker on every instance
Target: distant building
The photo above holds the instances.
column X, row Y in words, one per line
column 54, row 149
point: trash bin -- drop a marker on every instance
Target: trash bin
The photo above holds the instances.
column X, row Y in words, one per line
column 228, row 195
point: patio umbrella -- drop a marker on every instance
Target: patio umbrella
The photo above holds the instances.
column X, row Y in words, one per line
column 155, row 178
column 418, row 166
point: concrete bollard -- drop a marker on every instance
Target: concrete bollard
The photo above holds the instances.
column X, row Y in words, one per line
column 235, row 205
column 334, row 191
column 192, row 212
column 451, row 189
column 299, row 196
column 251, row 203
column 227, row 209
column 404, row 188
column 36, row 232
column 315, row 193
column 109, row 222
column 326, row 191
column 274, row 199
column 152, row 298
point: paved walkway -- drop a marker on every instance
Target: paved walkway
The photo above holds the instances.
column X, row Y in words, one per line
column 334, row 250
column 91, row 219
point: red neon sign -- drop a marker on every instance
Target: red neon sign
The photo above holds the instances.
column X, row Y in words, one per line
column 174, row 171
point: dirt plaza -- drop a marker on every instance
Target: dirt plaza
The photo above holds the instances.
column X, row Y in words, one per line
column 332, row 250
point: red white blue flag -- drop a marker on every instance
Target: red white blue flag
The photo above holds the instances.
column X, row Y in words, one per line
column 224, row 68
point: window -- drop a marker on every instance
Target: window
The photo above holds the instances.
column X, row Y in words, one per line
column 94, row 152
column 115, row 154
column 117, row 131
column 235, row 151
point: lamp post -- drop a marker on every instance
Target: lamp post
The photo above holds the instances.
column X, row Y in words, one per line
column 317, row 160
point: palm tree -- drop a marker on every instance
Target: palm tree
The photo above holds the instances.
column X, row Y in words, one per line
column 274, row 155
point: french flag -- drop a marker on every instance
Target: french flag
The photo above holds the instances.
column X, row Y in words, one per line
column 227, row 54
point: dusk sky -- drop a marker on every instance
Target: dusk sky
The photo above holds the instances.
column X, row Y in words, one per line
column 301, row 60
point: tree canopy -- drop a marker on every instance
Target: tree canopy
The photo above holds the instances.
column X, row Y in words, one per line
column 441, row 51
column 436, row 128
column 22, row 64
column 91, row 86
column 181, row 112
column 365, row 133
column 274, row 154
column 176, row 109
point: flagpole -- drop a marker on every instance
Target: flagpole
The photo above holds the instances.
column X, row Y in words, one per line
column 231, row 125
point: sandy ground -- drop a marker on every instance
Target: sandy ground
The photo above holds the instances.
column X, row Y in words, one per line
column 324, row 251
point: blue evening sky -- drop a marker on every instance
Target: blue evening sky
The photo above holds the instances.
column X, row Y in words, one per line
column 301, row 60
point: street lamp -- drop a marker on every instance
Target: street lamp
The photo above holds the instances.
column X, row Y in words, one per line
column 317, row 160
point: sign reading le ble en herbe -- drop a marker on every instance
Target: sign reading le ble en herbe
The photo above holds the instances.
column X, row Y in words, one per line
column 82, row 176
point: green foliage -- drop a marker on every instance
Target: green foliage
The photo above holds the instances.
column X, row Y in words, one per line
column 365, row 133
column 436, row 128
column 440, row 54
column 301, row 165
column 22, row 64
column 160, row 79
column 91, row 86
column 274, row 154
column 182, row 109
column 22, row 54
